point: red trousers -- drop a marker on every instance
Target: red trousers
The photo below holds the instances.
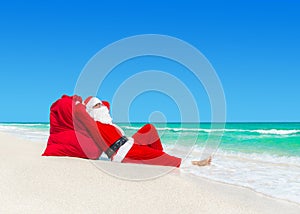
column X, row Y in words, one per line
column 147, row 149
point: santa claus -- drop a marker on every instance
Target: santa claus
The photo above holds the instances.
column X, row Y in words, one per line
column 74, row 132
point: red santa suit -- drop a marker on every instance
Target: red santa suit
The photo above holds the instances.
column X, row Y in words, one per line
column 144, row 147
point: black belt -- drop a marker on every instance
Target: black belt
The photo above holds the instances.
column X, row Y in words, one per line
column 115, row 146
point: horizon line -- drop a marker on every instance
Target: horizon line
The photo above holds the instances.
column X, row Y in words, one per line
column 168, row 122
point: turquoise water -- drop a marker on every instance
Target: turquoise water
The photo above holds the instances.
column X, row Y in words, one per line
column 262, row 156
column 282, row 139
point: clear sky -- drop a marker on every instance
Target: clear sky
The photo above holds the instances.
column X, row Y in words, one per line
column 253, row 46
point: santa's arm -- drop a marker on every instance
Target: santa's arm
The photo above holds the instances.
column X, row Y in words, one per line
column 90, row 125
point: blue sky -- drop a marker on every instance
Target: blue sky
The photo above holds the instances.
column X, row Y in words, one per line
column 253, row 46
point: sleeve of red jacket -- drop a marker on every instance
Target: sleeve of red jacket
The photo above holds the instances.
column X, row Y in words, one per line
column 90, row 125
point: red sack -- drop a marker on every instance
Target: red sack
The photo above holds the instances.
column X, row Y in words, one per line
column 72, row 131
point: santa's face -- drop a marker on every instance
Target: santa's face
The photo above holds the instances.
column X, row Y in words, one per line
column 101, row 113
column 98, row 105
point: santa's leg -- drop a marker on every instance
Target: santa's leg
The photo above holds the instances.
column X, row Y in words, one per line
column 147, row 135
column 142, row 154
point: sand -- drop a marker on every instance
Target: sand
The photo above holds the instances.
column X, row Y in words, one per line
column 31, row 183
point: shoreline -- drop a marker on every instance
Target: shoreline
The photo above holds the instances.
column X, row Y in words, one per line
column 32, row 183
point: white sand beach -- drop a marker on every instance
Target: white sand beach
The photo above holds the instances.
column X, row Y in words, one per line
column 31, row 183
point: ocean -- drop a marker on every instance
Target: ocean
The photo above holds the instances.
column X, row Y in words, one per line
column 264, row 157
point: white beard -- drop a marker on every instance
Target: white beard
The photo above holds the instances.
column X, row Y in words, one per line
column 102, row 115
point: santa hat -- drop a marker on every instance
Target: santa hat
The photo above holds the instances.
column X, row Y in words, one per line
column 90, row 102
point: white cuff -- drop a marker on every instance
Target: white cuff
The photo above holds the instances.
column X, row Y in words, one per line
column 123, row 150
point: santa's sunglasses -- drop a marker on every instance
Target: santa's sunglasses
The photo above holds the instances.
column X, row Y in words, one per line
column 98, row 105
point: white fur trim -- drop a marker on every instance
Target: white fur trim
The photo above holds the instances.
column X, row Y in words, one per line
column 123, row 150
column 93, row 101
